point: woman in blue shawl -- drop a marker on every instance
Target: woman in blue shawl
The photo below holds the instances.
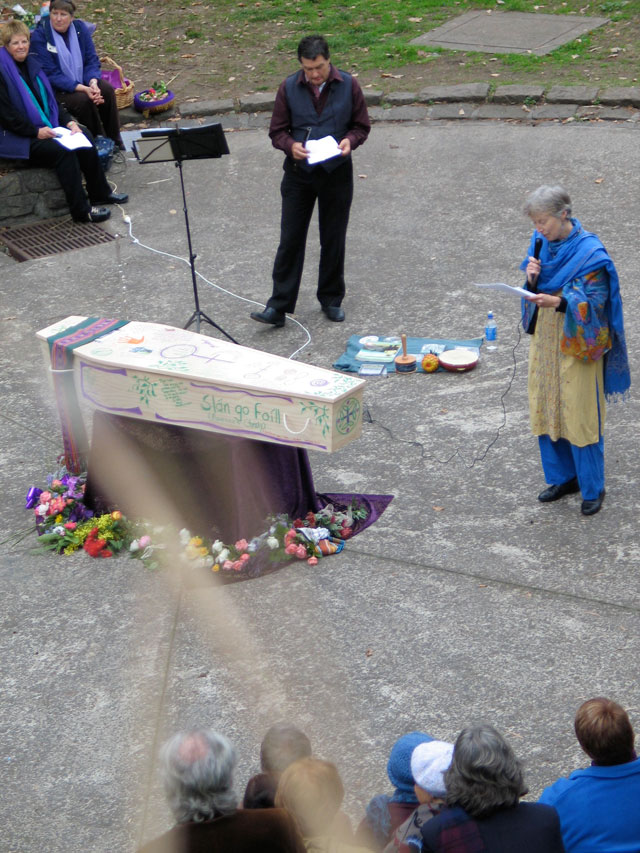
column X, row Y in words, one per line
column 68, row 57
column 578, row 354
column 29, row 116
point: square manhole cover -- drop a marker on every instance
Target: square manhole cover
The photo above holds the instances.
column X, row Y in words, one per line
column 51, row 237
column 509, row 32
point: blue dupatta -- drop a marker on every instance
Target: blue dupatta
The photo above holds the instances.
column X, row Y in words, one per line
column 581, row 253
column 21, row 95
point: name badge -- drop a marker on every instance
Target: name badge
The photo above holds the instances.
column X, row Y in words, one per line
column 52, row 48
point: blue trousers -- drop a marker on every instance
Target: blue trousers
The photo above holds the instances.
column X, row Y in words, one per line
column 562, row 461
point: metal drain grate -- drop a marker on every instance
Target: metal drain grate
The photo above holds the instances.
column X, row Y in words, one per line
column 52, row 237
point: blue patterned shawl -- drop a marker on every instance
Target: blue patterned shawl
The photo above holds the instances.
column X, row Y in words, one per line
column 581, row 253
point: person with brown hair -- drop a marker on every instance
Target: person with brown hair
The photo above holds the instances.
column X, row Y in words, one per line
column 311, row 791
column 599, row 805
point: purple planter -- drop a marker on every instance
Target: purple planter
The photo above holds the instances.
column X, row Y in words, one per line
column 158, row 106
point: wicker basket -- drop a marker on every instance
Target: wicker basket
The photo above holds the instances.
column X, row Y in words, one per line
column 124, row 91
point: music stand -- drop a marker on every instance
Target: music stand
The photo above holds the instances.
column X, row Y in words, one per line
column 176, row 144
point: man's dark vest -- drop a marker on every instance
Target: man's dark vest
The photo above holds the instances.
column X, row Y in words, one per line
column 334, row 120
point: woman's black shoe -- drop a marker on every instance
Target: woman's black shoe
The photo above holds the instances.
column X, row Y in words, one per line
column 554, row 493
column 592, row 507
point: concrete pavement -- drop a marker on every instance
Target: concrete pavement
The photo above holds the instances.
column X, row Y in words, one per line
column 467, row 601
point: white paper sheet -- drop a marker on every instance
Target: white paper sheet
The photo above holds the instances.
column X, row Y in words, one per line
column 322, row 149
column 498, row 285
column 69, row 140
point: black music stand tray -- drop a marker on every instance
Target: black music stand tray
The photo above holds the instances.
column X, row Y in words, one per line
column 176, row 144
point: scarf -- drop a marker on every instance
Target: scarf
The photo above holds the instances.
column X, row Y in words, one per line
column 70, row 56
column 459, row 833
column 561, row 263
column 21, row 95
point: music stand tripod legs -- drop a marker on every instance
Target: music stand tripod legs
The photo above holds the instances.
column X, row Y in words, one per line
column 198, row 315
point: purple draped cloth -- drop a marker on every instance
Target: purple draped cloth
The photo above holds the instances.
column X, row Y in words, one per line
column 220, row 485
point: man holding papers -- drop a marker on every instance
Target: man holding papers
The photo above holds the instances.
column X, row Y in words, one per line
column 319, row 117
column 33, row 126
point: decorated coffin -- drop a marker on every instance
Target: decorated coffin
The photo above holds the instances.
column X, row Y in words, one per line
column 175, row 376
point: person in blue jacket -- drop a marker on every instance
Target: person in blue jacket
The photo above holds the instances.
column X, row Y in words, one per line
column 68, row 57
column 599, row 806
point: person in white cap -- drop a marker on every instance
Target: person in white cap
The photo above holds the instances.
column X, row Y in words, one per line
column 429, row 763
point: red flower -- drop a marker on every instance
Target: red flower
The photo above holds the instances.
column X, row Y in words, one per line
column 96, row 547
column 298, row 523
column 311, row 518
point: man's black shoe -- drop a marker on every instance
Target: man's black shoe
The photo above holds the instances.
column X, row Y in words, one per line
column 554, row 493
column 592, row 507
column 115, row 198
column 334, row 312
column 269, row 316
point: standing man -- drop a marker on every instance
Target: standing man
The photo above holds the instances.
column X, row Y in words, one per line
column 317, row 101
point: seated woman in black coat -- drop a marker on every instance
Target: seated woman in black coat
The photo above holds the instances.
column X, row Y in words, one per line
column 29, row 115
column 484, row 784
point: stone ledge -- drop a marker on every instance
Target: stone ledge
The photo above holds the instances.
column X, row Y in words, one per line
column 621, row 96
column 28, row 194
column 513, row 94
column 572, row 95
column 467, row 92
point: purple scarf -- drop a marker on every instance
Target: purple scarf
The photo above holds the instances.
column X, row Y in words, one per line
column 19, row 91
column 70, row 57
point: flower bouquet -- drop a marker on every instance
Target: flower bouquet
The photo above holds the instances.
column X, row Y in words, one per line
column 66, row 525
column 157, row 99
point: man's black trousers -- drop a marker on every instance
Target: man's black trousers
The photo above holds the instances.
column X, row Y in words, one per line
column 299, row 189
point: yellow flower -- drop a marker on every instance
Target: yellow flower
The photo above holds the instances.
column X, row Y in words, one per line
column 203, row 551
column 215, row 568
column 195, row 540
column 192, row 552
column 116, row 515
column 58, row 519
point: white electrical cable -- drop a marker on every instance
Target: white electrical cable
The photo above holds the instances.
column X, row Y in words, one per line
column 128, row 222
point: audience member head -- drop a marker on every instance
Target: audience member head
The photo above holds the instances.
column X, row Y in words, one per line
column 13, row 28
column 484, row 775
column 604, row 731
column 198, row 775
column 429, row 762
column 260, row 792
column 312, row 791
column 399, row 765
column 281, row 746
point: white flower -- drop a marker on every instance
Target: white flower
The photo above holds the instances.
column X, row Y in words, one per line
column 208, row 560
column 217, row 547
column 223, row 555
column 134, row 546
column 273, row 543
column 59, row 529
column 184, row 536
column 42, row 509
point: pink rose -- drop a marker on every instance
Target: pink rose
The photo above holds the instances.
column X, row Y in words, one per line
column 242, row 545
column 238, row 566
column 244, row 558
column 313, row 561
column 301, row 552
column 291, row 549
column 45, row 497
column 70, row 525
column 227, row 565
column 144, row 541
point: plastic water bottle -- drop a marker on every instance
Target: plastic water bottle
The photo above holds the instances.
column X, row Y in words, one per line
column 491, row 333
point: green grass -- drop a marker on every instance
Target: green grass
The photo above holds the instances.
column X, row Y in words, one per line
column 369, row 37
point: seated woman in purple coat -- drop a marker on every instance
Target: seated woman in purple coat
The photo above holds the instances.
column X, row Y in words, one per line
column 29, row 116
column 68, row 57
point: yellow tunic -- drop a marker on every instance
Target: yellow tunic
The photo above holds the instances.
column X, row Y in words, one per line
column 563, row 391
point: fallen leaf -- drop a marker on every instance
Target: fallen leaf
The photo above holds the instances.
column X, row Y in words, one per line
column 461, row 112
column 415, row 20
column 393, row 76
column 437, row 508
column 598, row 180
column 187, row 56
column 173, row 212
column 363, row 176
column 369, row 652
column 230, row 79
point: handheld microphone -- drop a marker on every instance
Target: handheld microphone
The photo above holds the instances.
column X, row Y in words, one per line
column 536, row 248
